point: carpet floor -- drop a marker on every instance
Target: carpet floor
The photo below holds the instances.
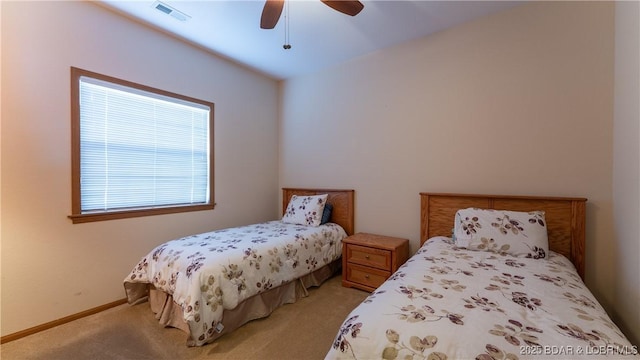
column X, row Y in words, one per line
column 303, row 330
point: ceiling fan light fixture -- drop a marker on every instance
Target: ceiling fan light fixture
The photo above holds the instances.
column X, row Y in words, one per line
column 171, row 11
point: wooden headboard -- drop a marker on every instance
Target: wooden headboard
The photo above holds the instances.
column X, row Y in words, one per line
column 342, row 201
column 565, row 218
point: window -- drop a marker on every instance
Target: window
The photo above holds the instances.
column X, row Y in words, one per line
column 136, row 150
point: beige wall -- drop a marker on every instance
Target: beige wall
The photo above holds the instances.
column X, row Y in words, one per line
column 520, row 102
column 52, row 268
column 626, row 169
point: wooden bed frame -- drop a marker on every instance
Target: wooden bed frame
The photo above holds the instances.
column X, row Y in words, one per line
column 342, row 201
column 565, row 218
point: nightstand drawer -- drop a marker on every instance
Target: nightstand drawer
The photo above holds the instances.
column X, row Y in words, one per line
column 369, row 256
column 366, row 276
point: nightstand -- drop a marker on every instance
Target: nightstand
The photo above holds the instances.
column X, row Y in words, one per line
column 368, row 259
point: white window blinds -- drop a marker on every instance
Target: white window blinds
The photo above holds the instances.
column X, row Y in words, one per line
column 140, row 149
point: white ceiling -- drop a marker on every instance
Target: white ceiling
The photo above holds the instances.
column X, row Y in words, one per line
column 320, row 37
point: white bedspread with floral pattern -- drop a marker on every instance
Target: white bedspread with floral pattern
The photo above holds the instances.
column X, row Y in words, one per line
column 210, row 272
column 451, row 303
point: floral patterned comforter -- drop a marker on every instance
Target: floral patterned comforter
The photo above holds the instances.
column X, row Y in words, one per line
column 210, row 272
column 452, row 303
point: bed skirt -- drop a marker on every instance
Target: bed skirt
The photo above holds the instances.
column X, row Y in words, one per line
column 258, row 306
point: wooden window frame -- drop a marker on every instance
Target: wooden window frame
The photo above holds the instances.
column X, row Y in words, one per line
column 77, row 216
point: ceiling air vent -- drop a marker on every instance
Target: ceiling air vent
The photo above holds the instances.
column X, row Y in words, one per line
column 170, row 10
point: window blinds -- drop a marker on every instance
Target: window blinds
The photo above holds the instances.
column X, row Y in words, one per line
column 140, row 149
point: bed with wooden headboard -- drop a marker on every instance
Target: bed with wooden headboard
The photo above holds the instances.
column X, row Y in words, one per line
column 454, row 301
column 565, row 218
column 212, row 283
column 341, row 199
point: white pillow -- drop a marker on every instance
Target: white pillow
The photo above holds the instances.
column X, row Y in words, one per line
column 521, row 234
column 305, row 210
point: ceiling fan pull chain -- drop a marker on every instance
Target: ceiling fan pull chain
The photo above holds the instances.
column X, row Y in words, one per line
column 286, row 45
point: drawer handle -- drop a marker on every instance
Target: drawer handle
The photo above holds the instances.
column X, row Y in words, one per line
column 366, row 276
column 367, row 257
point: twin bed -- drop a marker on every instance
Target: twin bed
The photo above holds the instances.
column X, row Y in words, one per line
column 482, row 295
column 485, row 284
column 210, row 284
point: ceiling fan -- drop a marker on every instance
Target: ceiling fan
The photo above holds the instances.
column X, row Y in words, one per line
column 273, row 8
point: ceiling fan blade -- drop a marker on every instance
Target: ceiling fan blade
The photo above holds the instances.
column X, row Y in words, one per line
column 271, row 13
column 346, row 7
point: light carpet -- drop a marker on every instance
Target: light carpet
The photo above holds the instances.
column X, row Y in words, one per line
column 303, row 330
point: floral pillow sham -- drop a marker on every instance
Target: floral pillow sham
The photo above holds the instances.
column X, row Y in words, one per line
column 305, row 210
column 521, row 234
